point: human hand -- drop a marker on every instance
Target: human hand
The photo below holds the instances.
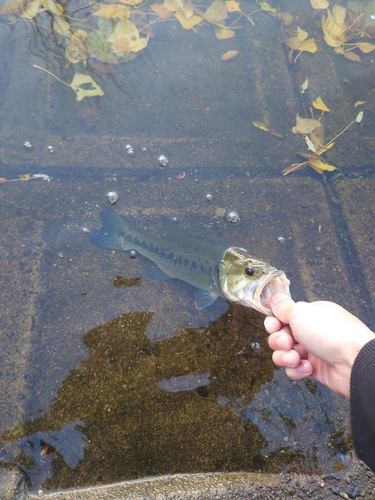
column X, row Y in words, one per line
column 319, row 340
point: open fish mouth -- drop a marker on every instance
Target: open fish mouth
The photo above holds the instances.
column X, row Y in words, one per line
column 273, row 282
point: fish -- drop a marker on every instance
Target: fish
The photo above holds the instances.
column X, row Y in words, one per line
column 215, row 269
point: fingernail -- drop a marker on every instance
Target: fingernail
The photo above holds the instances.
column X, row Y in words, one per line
column 304, row 367
column 287, row 358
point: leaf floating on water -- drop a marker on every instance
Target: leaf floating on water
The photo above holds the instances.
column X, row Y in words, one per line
column 222, row 33
column 161, row 11
column 79, row 80
column 187, row 23
column 305, row 125
column 216, row 12
column 112, row 11
column 301, row 34
column 319, row 4
column 232, row 6
column 267, row 7
column 31, row 9
column 359, row 103
column 77, row 49
column 229, row 55
column 319, row 104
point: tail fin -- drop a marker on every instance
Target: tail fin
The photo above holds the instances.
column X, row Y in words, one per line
column 113, row 232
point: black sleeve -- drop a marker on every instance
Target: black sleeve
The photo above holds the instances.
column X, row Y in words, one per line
column 362, row 404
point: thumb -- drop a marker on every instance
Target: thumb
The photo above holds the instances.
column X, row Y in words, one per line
column 281, row 305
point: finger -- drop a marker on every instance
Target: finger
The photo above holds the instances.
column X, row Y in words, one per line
column 281, row 305
column 281, row 340
column 305, row 369
column 287, row 359
column 272, row 324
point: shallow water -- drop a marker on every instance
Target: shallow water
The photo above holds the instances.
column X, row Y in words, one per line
column 106, row 375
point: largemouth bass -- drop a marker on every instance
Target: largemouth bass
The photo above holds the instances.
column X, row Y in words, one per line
column 213, row 268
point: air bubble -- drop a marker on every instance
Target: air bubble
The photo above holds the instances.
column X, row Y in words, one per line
column 281, row 239
column 27, row 145
column 163, row 160
column 133, row 254
column 209, row 197
column 86, row 230
column 255, row 346
column 50, row 149
column 112, row 197
column 233, row 217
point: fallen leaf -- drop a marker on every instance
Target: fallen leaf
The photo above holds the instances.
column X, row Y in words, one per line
column 317, row 136
column 232, row 6
column 305, row 125
column 263, row 126
column 319, row 104
column 216, row 12
column 30, row 10
column 222, row 33
column 53, row 7
column 11, row 7
column 61, row 26
column 319, row 4
column 2, row 180
column 317, row 164
column 359, row 103
column 301, row 34
column 285, row 17
column 77, row 49
column 334, row 26
column 112, row 11
column 161, row 10
column 365, row 47
column 325, row 148
column 352, row 56
column 79, row 80
column 267, row 7
column 171, row 5
column 359, row 117
column 187, row 23
column 229, row 55
column 303, row 46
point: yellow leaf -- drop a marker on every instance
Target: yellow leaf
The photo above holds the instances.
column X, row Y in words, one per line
column 359, row 103
column 61, row 26
column 265, row 6
column 216, row 12
column 365, row 47
column 320, row 165
column 187, row 23
column 11, row 7
column 79, row 80
column 319, row 4
column 133, row 3
column 77, row 50
column 171, row 5
column 53, row 7
column 301, row 34
column 113, row 10
column 334, row 26
column 309, row 46
column 232, row 6
column 124, row 29
column 31, row 9
column 125, row 45
column 319, row 104
column 325, row 148
column 260, row 125
column 222, row 33
column 161, row 10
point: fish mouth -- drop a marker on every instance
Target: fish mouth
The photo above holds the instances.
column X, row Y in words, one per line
column 273, row 282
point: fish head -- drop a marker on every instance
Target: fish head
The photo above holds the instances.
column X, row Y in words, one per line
column 249, row 280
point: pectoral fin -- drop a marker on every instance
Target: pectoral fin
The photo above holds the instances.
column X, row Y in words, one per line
column 204, row 298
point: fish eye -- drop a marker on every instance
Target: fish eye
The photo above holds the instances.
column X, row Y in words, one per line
column 249, row 271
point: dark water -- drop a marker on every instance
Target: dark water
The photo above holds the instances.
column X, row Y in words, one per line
column 106, row 375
